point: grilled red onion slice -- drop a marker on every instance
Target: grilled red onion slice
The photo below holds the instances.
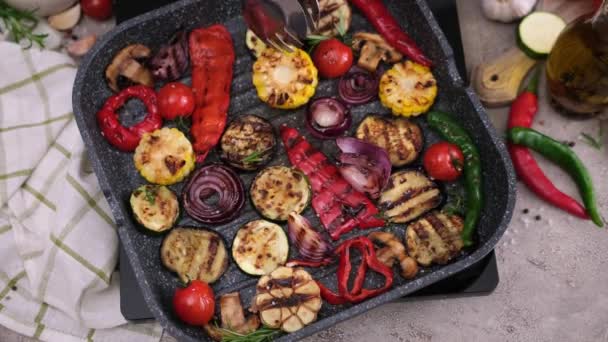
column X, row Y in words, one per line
column 171, row 60
column 364, row 166
column 309, row 242
column 215, row 194
column 358, row 86
column 327, row 118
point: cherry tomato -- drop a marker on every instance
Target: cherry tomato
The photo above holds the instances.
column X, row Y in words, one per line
column 333, row 58
column 175, row 99
column 194, row 304
column 97, row 9
column 444, row 161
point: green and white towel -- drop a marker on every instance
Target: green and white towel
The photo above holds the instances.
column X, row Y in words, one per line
column 58, row 241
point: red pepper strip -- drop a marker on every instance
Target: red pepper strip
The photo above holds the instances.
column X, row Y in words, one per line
column 127, row 138
column 522, row 114
column 378, row 15
column 330, row 296
column 212, row 57
column 339, row 207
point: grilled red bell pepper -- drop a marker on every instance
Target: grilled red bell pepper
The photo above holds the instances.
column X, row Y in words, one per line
column 383, row 21
column 368, row 260
column 339, row 207
column 127, row 138
column 212, row 57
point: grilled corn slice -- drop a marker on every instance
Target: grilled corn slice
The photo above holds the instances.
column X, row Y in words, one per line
column 285, row 80
column 164, row 156
column 408, row 89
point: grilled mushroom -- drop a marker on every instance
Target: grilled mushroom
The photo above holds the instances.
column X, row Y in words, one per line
column 288, row 299
column 233, row 318
column 393, row 250
column 127, row 68
column 373, row 49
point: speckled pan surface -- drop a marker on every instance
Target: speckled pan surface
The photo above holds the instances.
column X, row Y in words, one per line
column 118, row 177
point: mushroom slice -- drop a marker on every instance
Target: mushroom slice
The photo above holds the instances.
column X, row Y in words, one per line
column 373, row 49
column 127, row 68
column 288, row 299
column 393, row 250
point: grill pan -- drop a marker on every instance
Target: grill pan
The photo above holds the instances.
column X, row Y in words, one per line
column 118, row 177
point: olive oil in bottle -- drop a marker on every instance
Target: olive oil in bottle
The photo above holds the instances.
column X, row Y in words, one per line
column 577, row 68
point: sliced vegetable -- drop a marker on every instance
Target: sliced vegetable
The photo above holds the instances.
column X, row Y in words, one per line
column 175, row 100
column 128, row 68
column 233, row 319
column 408, row 89
column 401, row 138
column 358, row 86
column 372, row 50
column 171, row 61
column 332, row 14
column 285, row 80
column 332, row 58
column 127, row 138
column 194, row 304
column 214, row 194
column 248, row 143
column 254, row 44
column 327, row 118
column 435, row 238
column 194, row 253
column 394, row 251
column 311, row 245
column 408, row 195
column 537, row 33
column 288, row 299
column 278, row 191
column 155, row 207
column 259, row 247
column 164, row 156
column 444, row 161
column 364, row 166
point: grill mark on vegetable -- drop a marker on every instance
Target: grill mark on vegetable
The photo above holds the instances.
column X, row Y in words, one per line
column 429, row 204
column 285, row 302
column 408, row 195
column 212, row 252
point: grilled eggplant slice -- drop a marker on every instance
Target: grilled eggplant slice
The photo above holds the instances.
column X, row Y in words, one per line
column 260, row 247
column 194, row 254
column 401, row 138
column 285, row 80
column 254, row 44
column 331, row 14
column 408, row 195
column 288, row 299
column 278, row 191
column 435, row 238
column 248, row 143
column 164, row 156
column 155, row 207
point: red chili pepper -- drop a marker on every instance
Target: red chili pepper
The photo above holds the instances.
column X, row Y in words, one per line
column 339, row 207
column 522, row 114
column 378, row 15
column 212, row 57
column 127, row 138
column 368, row 260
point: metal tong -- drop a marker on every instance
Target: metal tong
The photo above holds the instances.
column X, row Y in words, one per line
column 282, row 24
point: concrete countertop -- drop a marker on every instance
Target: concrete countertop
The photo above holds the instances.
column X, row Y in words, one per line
column 553, row 267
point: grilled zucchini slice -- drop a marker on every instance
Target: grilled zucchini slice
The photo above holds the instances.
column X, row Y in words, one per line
column 288, row 299
column 401, row 138
column 248, row 143
column 408, row 89
column 285, row 80
column 260, row 247
column 155, row 207
column 278, row 191
column 194, row 254
column 164, row 156
column 332, row 14
column 435, row 238
column 408, row 195
column 254, row 44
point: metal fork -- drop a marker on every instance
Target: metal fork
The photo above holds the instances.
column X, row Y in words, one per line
column 282, row 24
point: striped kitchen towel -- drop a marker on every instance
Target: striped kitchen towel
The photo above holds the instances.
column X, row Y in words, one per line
column 58, row 241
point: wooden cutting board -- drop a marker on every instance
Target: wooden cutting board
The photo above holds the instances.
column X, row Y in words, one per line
column 497, row 81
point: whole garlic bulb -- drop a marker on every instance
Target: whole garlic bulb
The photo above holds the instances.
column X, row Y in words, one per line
column 507, row 10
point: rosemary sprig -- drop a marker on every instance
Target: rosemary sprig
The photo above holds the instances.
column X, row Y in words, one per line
column 456, row 201
column 264, row 334
column 21, row 24
column 255, row 157
column 314, row 39
column 592, row 141
column 150, row 193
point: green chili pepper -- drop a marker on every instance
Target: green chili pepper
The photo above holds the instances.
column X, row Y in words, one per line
column 563, row 156
column 453, row 132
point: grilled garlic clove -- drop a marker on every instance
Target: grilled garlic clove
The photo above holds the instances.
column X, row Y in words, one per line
column 507, row 10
